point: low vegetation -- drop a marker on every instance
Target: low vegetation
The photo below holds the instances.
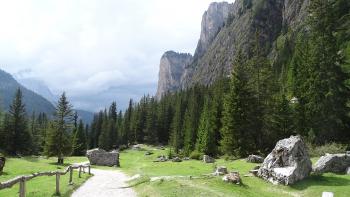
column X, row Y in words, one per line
column 40, row 186
column 196, row 182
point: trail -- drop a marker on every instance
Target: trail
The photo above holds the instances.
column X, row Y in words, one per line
column 105, row 183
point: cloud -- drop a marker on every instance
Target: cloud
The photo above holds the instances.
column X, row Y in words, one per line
column 86, row 47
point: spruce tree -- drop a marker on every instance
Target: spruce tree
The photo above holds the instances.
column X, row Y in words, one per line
column 58, row 142
column 176, row 136
column 79, row 142
column 19, row 138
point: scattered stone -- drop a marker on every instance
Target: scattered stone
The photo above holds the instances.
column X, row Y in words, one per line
column 148, row 153
column 176, row 159
column 248, row 175
column 337, row 163
column 347, row 152
column 348, row 170
column 102, row 158
column 288, row 162
column 232, row 177
column 255, row 159
column 254, row 172
column 2, row 163
column 161, row 158
column 327, row 194
column 221, row 170
column 186, row 158
column 136, row 147
column 208, row 159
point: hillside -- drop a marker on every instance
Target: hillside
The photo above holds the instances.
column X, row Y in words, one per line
column 229, row 27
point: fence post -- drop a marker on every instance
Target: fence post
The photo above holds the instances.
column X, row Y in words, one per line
column 57, row 182
column 22, row 187
column 89, row 169
column 79, row 171
column 70, row 175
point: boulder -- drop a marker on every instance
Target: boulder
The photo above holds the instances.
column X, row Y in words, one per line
column 232, row 177
column 327, row 194
column 337, row 163
column 288, row 162
column 348, row 171
column 136, row 147
column 161, row 158
column 221, row 170
column 176, row 159
column 186, row 158
column 2, row 163
column 102, row 158
column 255, row 159
column 208, row 159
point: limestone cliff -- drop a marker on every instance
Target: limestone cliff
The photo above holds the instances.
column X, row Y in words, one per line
column 229, row 27
column 171, row 68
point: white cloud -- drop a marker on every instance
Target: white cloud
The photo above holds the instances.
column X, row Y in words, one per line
column 84, row 47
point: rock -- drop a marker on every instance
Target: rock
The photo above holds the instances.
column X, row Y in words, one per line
column 327, row 194
column 102, row 158
column 337, row 163
column 171, row 67
column 221, row 170
column 148, row 153
column 2, row 163
column 348, row 171
column 136, row 147
column 254, row 172
column 208, row 159
column 288, row 162
column 161, row 158
column 186, row 158
column 232, row 177
column 255, row 159
column 176, row 159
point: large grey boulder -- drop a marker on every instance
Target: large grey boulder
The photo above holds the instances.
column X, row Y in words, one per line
column 221, row 170
column 337, row 163
column 255, row 159
column 2, row 163
column 288, row 162
column 101, row 157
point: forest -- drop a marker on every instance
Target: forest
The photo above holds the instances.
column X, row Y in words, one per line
column 247, row 112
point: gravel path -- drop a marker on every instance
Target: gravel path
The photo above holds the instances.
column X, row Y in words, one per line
column 105, row 183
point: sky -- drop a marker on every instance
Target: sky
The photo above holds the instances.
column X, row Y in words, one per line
column 97, row 51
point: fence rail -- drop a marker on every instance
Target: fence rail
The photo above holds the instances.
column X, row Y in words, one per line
column 23, row 179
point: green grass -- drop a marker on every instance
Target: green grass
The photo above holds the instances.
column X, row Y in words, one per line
column 135, row 162
column 40, row 186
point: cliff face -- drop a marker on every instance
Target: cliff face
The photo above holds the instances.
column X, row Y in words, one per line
column 171, row 68
column 229, row 27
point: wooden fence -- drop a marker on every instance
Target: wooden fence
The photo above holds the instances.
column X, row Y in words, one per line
column 23, row 179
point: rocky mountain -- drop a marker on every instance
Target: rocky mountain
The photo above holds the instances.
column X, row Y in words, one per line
column 33, row 99
column 229, row 27
column 172, row 67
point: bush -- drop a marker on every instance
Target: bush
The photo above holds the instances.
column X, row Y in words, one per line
column 122, row 147
column 332, row 148
column 196, row 155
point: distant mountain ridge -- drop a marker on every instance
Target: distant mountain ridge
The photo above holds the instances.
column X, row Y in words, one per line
column 33, row 101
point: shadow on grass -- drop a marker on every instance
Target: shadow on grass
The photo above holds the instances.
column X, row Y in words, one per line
column 318, row 180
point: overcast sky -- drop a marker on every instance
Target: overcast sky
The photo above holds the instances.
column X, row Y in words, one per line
column 96, row 50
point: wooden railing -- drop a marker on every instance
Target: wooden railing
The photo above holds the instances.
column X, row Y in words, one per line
column 23, row 179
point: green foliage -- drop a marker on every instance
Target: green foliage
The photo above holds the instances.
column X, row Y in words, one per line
column 196, row 155
column 331, row 148
column 79, row 141
column 59, row 134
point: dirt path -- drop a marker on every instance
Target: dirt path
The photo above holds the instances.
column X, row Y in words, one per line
column 105, row 183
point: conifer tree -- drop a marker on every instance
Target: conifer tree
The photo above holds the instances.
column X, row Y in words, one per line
column 176, row 136
column 79, row 142
column 58, row 142
column 19, row 138
column 206, row 141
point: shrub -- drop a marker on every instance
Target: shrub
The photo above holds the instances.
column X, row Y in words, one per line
column 196, row 155
column 122, row 147
column 332, row 148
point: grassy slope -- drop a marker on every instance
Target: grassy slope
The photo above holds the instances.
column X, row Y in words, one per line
column 134, row 162
column 40, row 186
